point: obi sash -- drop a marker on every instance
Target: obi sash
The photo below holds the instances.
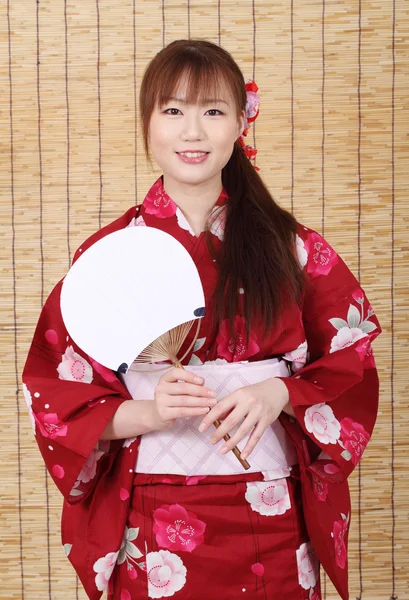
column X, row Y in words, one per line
column 183, row 450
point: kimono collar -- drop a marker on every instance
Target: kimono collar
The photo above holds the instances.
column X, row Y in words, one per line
column 157, row 202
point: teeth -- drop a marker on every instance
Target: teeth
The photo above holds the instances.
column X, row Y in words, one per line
column 192, row 154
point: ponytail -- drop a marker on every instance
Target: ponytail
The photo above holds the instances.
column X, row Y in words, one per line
column 258, row 252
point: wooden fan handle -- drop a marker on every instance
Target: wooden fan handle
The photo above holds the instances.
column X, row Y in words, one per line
column 217, row 423
column 235, row 450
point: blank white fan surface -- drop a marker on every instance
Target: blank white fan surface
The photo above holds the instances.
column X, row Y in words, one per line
column 126, row 290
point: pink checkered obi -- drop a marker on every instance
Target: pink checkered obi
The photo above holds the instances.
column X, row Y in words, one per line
column 183, row 450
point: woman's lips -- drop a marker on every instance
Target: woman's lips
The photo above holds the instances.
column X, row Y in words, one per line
column 193, row 161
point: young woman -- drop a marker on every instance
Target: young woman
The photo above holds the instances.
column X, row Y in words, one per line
column 286, row 348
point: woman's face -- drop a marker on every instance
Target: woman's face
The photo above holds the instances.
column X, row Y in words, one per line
column 208, row 131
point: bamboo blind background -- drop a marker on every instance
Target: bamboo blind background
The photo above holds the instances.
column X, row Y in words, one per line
column 331, row 138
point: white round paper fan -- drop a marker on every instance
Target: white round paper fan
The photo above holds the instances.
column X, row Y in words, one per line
column 126, row 290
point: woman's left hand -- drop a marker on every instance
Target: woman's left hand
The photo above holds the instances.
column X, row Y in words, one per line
column 255, row 406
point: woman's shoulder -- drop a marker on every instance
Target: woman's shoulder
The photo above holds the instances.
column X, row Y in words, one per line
column 120, row 223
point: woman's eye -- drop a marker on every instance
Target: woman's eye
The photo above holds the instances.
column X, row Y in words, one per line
column 215, row 110
column 175, row 109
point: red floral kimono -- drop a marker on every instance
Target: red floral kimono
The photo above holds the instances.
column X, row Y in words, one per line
column 333, row 388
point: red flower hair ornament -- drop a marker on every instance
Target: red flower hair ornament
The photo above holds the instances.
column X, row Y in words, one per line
column 252, row 111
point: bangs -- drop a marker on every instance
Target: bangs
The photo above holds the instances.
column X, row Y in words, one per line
column 203, row 82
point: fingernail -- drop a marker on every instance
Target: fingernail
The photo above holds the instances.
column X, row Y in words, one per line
column 198, row 379
column 243, row 455
column 211, row 393
column 202, row 427
column 223, row 449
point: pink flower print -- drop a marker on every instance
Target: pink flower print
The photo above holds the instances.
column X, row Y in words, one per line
column 359, row 296
column 257, row 569
column 339, row 530
column 320, row 488
column 58, row 471
column 322, row 258
column 29, row 402
column 89, row 469
column 331, row 468
column 354, row 438
column 307, row 565
column 269, row 498
column 51, row 336
column 104, row 567
column 132, row 572
column 368, row 358
column 346, row 336
column 74, row 368
column 50, row 425
column 320, row 420
column 123, row 494
column 177, row 529
column 298, row 357
column 364, row 350
column 158, row 203
column 226, row 346
column 302, row 253
column 194, row 479
column 166, row 574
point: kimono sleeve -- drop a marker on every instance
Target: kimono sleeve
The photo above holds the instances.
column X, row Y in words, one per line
column 71, row 398
column 335, row 396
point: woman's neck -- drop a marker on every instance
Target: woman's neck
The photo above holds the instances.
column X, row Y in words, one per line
column 195, row 201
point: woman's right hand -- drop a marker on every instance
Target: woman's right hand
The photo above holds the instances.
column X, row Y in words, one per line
column 180, row 393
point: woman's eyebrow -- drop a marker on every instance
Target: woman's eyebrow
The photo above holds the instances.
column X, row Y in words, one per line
column 203, row 102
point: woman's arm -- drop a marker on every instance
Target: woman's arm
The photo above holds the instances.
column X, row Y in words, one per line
column 133, row 418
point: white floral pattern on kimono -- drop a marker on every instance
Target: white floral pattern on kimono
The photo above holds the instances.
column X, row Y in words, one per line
column 74, row 368
column 103, row 568
column 166, row 573
column 268, row 498
column 321, row 422
column 307, row 565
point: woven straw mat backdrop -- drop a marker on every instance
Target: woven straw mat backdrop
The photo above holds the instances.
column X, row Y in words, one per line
column 331, row 141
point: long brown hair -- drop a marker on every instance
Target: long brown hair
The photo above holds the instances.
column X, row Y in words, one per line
column 258, row 251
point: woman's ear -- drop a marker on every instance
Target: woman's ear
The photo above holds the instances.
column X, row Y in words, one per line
column 240, row 123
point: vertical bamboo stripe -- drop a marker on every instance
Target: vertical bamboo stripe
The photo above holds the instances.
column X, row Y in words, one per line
column 40, row 156
column 13, row 264
column 99, row 116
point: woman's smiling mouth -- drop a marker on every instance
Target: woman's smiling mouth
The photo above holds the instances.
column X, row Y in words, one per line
column 193, row 157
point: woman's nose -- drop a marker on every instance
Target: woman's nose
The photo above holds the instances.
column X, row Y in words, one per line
column 193, row 129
